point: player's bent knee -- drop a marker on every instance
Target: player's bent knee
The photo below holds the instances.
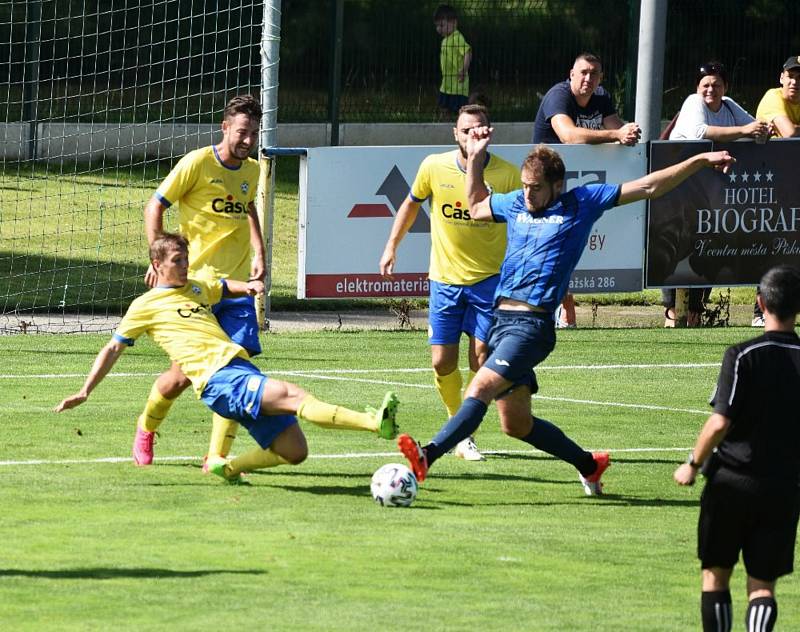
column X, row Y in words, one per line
column 291, row 445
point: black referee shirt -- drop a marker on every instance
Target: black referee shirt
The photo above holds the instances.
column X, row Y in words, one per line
column 759, row 391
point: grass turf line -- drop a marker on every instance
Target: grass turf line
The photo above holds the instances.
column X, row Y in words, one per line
column 510, row 543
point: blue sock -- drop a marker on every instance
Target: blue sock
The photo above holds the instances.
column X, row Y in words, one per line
column 549, row 438
column 459, row 427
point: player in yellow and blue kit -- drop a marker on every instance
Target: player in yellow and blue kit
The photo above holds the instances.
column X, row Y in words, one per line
column 177, row 314
column 214, row 189
column 547, row 232
column 465, row 258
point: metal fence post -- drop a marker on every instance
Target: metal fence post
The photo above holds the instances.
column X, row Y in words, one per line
column 30, row 89
column 334, row 94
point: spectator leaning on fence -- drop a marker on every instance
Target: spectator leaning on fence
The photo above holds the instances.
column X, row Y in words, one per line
column 709, row 114
column 454, row 61
column 576, row 111
column 781, row 106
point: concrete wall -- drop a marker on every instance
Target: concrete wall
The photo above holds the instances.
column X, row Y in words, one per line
column 84, row 141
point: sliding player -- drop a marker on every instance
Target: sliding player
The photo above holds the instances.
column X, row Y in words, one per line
column 177, row 314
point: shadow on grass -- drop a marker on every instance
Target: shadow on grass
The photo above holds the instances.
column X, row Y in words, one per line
column 119, row 573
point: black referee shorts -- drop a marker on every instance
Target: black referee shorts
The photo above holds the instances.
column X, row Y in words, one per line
column 738, row 513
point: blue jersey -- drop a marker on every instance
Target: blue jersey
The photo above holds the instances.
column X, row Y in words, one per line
column 544, row 247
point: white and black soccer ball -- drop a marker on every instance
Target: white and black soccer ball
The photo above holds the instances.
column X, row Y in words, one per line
column 394, row 485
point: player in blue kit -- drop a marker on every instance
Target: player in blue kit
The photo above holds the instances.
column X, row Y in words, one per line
column 547, row 230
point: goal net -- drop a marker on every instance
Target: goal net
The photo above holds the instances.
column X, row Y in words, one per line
column 102, row 98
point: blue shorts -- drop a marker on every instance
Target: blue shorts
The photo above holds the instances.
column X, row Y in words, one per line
column 237, row 317
column 451, row 102
column 235, row 393
column 457, row 309
column 518, row 342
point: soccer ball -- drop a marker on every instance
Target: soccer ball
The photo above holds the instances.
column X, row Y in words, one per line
column 394, row 485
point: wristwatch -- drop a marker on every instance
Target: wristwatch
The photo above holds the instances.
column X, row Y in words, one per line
column 692, row 463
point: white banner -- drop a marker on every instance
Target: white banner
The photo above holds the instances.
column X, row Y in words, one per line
column 350, row 195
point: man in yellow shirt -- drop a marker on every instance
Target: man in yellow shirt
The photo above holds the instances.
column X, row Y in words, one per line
column 781, row 106
column 214, row 188
column 177, row 313
column 465, row 259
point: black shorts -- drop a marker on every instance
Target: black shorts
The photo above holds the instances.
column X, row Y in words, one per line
column 738, row 513
column 451, row 102
column 518, row 341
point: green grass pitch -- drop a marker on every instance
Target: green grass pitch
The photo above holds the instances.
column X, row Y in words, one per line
column 508, row 544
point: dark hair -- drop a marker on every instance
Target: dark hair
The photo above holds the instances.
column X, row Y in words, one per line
column 714, row 68
column 444, row 12
column 165, row 243
column 547, row 161
column 243, row 104
column 476, row 110
column 780, row 291
column 590, row 57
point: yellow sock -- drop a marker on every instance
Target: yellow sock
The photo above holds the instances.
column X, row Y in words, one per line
column 155, row 410
column 223, row 432
column 449, row 387
column 332, row 416
column 255, row 459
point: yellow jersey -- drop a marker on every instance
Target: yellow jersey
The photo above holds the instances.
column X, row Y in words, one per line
column 773, row 104
column 212, row 204
column 451, row 61
column 180, row 321
column 463, row 251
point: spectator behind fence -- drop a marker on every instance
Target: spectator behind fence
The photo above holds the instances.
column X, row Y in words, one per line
column 709, row 114
column 454, row 60
column 781, row 108
column 575, row 111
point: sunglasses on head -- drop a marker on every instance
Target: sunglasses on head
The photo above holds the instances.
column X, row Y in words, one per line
column 712, row 68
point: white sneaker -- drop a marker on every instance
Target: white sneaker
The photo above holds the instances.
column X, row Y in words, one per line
column 468, row 451
column 758, row 321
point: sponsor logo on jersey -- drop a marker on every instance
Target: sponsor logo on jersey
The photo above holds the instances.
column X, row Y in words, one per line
column 188, row 310
column 227, row 205
column 217, row 181
column 455, row 211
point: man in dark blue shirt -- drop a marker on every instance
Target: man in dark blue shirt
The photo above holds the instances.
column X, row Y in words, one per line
column 577, row 111
column 748, row 449
column 547, row 230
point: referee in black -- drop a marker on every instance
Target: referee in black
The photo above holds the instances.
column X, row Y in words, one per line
column 749, row 451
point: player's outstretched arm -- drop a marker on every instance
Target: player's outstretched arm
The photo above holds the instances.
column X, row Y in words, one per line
column 403, row 221
column 660, row 182
column 106, row 359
